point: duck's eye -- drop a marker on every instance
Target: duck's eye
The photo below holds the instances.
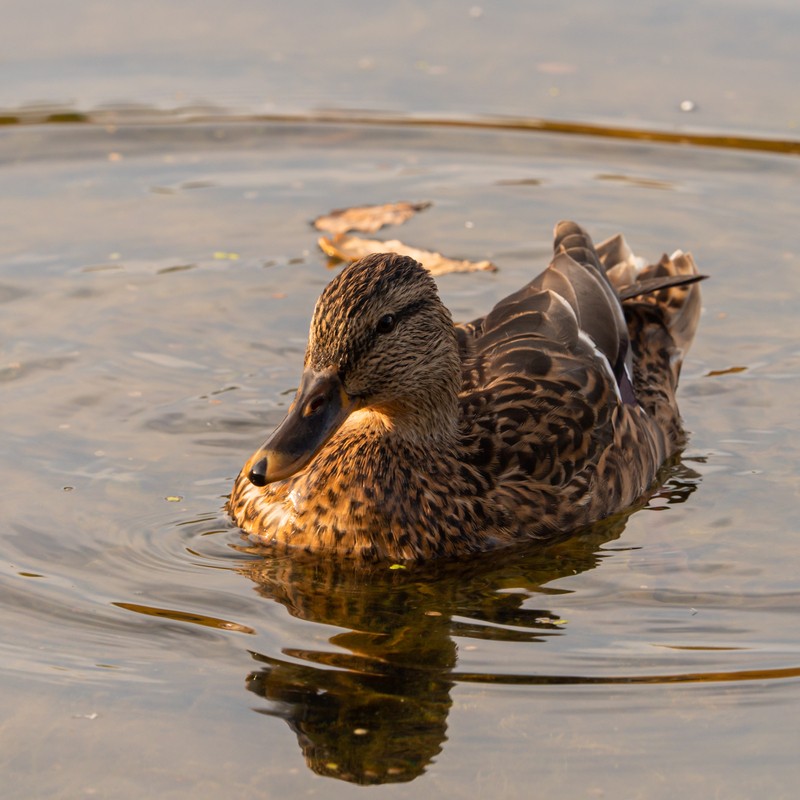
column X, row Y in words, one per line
column 386, row 323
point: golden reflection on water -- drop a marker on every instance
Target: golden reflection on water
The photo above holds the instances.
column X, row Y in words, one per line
column 185, row 616
column 198, row 114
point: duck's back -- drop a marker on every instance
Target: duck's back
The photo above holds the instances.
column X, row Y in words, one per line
column 568, row 401
column 566, row 409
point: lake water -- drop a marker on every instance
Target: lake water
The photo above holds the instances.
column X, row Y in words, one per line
column 156, row 283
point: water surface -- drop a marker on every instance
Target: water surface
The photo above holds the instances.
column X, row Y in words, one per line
column 690, row 64
column 156, row 285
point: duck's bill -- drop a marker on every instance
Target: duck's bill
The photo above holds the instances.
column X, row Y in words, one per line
column 320, row 407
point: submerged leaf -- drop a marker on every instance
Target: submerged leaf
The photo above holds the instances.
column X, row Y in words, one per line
column 351, row 248
column 367, row 219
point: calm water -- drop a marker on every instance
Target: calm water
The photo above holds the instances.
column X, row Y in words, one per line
column 736, row 62
column 156, row 285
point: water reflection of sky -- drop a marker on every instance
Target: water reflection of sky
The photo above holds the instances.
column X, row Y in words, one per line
column 736, row 64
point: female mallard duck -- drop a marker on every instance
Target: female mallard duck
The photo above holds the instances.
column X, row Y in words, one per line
column 411, row 437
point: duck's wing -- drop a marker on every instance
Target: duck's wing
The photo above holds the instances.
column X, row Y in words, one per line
column 570, row 306
column 545, row 370
column 582, row 295
column 552, row 430
column 548, row 371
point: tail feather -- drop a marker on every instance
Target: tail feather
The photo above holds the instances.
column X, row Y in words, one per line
column 671, row 285
column 650, row 285
column 681, row 303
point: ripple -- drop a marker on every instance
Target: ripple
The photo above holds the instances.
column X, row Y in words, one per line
column 185, row 616
column 766, row 674
column 139, row 115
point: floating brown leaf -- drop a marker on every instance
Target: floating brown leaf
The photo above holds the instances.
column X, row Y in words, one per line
column 367, row 219
column 351, row 248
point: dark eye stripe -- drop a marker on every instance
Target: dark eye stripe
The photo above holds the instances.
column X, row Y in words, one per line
column 389, row 322
column 369, row 342
column 410, row 310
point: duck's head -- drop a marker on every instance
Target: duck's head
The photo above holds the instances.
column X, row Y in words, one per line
column 381, row 342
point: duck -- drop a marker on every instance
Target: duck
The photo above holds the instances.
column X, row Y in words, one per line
column 412, row 438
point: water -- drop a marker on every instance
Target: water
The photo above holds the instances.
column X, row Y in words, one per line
column 734, row 63
column 156, row 287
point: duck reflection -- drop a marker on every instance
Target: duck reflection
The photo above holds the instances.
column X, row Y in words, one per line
column 372, row 708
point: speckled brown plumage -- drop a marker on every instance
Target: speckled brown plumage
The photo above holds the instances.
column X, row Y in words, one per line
column 413, row 438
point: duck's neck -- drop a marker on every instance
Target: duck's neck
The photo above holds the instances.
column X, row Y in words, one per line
column 416, row 426
column 376, row 488
column 412, row 438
